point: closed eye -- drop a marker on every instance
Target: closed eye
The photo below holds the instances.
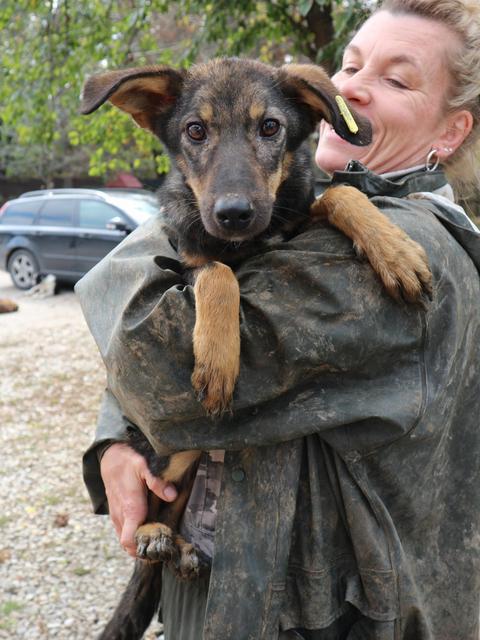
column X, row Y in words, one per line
column 398, row 84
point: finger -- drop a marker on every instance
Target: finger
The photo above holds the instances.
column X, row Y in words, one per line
column 164, row 490
column 134, row 509
column 127, row 537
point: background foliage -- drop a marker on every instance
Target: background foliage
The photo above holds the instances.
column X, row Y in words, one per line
column 48, row 47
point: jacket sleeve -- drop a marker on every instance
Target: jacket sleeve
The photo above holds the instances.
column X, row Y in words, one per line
column 112, row 427
column 324, row 349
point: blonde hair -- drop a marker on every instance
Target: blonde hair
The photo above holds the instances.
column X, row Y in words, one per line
column 463, row 18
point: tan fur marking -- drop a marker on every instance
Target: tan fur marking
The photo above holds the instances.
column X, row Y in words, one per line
column 153, row 529
column 197, row 185
column 216, row 337
column 317, row 78
column 312, row 74
column 134, row 95
column 400, row 262
column 194, row 261
column 206, row 112
column 178, row 465
column 286, row 164
column 274, row 181
column 257, row 110
column 143, row 98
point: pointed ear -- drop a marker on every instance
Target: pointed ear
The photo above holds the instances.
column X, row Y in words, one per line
column 144, row 93
column 311, row 87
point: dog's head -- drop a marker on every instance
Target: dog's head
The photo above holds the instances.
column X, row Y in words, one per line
column 232, row 127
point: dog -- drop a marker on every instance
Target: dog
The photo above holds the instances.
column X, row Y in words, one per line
column 44, row 289
column 7, row 305
column 236, row 132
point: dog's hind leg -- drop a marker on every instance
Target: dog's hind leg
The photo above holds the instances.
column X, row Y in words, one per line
column 138, row 604
column 400, row 262
column 157, row 540
column 140, row 600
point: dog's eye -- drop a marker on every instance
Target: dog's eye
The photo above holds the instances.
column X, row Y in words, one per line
column 196, row 131
column 269, row 127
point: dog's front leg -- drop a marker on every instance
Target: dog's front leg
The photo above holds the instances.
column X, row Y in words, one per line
column 400, row 262
column 216, row 336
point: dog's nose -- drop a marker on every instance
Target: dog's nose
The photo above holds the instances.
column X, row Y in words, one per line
column 234, row 213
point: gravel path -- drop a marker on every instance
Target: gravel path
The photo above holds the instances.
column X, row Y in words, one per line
column 61, row 568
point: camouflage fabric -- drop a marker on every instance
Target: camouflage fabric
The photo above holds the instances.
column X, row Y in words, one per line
column 198, row 524
column 352, row 461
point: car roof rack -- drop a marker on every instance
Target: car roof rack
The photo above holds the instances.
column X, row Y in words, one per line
column 62, row 192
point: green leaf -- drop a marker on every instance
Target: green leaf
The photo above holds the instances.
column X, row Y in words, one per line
column 304, row 6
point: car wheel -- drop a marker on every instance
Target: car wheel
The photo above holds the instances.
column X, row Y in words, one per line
column 23, row 269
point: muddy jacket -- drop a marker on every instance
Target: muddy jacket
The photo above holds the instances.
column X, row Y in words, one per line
column 352, row 458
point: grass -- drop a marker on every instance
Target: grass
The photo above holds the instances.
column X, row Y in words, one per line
column 10, row 606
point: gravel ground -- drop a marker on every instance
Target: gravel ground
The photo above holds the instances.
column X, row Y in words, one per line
column 61, row 567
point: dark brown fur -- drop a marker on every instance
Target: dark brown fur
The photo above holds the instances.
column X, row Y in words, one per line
column 236, row 181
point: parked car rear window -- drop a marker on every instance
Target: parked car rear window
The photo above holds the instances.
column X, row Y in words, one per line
column 20, row 213
column 96, row 214
column 57, row 213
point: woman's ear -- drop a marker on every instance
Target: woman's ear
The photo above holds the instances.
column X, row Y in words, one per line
column 458, row 126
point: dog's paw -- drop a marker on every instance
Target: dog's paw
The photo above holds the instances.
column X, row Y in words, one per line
column 191, row 563
column 155, row 543
column 402, row 265
column 400, row 262
column 214, row 386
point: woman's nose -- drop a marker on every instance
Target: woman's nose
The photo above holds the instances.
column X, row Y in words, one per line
column 355, row 88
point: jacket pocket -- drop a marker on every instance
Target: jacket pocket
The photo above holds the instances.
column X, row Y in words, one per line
column 275, row 599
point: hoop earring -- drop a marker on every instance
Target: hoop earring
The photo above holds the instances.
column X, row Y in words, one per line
column 432, row 161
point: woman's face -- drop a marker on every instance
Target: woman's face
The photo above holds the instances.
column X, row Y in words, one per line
column 394, row 72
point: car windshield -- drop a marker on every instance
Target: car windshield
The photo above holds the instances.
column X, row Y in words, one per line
column 138, row 206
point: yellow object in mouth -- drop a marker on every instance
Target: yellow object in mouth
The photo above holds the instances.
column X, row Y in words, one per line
column 347, row 116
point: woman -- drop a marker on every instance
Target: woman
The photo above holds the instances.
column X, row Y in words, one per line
column 355, row 513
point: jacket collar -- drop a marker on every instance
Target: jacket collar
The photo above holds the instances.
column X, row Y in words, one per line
column 398, row 185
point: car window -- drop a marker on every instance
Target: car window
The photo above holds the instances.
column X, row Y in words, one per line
column 138, row 206
column 96, row 214
column 20, row 213
column 57, row 213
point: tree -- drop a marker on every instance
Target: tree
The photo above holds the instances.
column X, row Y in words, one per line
column 315, row 30
column 49, row 46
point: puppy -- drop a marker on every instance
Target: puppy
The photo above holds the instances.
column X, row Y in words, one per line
column 44, row 289
column 236, row 132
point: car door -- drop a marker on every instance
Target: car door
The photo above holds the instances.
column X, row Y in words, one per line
column 94, row 240
column 16, row 224
column 54, row 236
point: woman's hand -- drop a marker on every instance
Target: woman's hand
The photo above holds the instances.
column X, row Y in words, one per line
column 127, row 480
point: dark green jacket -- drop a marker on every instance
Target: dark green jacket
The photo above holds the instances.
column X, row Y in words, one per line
column 356, row 422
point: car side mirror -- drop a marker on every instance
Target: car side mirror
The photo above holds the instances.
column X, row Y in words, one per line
column 118, row 224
